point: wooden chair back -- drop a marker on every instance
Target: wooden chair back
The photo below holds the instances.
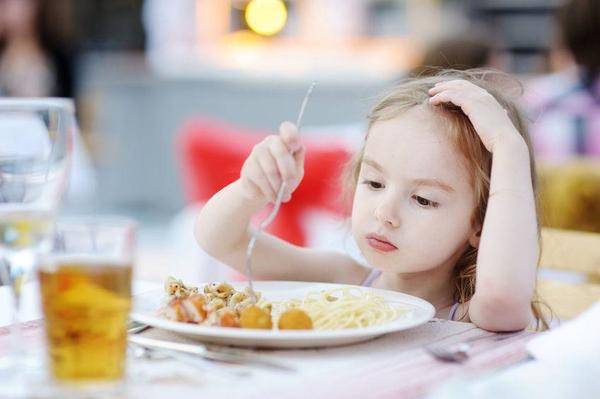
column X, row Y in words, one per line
column 571, row 251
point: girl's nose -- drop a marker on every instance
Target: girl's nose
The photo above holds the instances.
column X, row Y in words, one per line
column 387, row 213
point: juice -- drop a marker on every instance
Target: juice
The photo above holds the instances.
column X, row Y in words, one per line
column 86, row 302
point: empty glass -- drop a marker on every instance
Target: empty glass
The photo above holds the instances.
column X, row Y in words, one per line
column 35, row 152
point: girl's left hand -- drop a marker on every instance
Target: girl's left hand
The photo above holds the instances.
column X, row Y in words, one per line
column 489, row 119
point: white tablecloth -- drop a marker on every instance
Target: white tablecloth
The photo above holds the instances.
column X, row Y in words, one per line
column 391, row 366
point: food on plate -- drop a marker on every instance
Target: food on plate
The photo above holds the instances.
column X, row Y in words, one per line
column 175, row 288
column 227, row 318
column 347, row 307
column 189, row 309
column 295, row 319
column 256, row 317
column 220, row 304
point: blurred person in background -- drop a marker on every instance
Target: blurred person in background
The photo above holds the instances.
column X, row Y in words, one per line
column 565, row 111
column 32, row 62
column 565, row 106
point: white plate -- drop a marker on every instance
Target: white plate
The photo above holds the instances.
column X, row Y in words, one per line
column 145, row 308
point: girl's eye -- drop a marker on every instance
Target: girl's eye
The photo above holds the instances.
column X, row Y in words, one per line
column 373, row 184
column 424, row 202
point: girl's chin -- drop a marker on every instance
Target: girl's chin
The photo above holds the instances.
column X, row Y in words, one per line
column 387, row 265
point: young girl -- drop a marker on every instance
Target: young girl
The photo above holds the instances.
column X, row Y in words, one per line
column 443, row 204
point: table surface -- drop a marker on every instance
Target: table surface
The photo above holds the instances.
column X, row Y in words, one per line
column 395, row 365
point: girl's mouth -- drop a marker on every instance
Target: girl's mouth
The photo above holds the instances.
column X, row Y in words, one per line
column 380, row 243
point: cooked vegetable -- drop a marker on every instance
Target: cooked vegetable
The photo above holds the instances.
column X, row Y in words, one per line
column 295, row 319
column 255, row 317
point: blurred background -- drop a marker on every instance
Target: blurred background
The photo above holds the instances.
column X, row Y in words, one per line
column 171, row 96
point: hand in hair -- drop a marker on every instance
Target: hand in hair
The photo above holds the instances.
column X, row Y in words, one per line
column 276, row 159
column 489, row 119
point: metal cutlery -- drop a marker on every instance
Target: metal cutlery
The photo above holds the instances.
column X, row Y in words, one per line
column 452, row 353
column 265, row 223
column 135, row 327
column 139, row 351
column 459, row 352
column 184, row 351
column 238, row 357
column 190, row 360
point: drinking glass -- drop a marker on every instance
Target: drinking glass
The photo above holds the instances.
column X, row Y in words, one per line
column 35, row 151
column 85, row 283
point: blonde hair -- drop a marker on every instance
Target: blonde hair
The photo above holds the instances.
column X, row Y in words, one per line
column 414, row 92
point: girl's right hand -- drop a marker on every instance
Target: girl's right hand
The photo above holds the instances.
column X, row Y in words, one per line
column 276, row 159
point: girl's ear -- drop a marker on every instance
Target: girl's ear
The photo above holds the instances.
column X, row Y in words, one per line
column 475, row 237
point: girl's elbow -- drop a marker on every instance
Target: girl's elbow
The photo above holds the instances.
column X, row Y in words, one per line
column 500, row 323
column 500, row 314
column 204, row 241
column 216, row 246
column 199, row 236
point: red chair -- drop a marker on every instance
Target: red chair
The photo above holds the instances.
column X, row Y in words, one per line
column 212, row 153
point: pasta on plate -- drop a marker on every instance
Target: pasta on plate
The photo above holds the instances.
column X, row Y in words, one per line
column 220, row 304
column 341, row 308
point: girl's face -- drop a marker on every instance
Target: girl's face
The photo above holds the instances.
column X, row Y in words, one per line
column 414, row 201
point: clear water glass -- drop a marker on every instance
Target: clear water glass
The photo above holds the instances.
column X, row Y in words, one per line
column 35, row 152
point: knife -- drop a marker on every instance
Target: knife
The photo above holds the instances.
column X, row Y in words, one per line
column 202, row 351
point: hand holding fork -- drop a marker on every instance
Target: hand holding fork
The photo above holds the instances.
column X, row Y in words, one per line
column 273, row 171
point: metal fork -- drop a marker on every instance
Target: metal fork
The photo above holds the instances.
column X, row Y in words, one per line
column 265, row 223
column 185, row 352
column 451, row 353
column 459, row 352
column 141, row 351
column 135, row 327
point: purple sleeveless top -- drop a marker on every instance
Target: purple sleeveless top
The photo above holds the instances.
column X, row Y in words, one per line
column 372, row 276
column 374, row 273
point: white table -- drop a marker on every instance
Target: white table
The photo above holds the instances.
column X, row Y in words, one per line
column 395, row 365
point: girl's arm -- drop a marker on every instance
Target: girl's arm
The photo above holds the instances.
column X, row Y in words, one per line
column 508, row 248
column 223, row 226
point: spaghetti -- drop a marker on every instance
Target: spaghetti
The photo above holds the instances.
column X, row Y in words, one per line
column 342, row 308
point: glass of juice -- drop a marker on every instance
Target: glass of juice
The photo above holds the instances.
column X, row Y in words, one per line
column 85, row 284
